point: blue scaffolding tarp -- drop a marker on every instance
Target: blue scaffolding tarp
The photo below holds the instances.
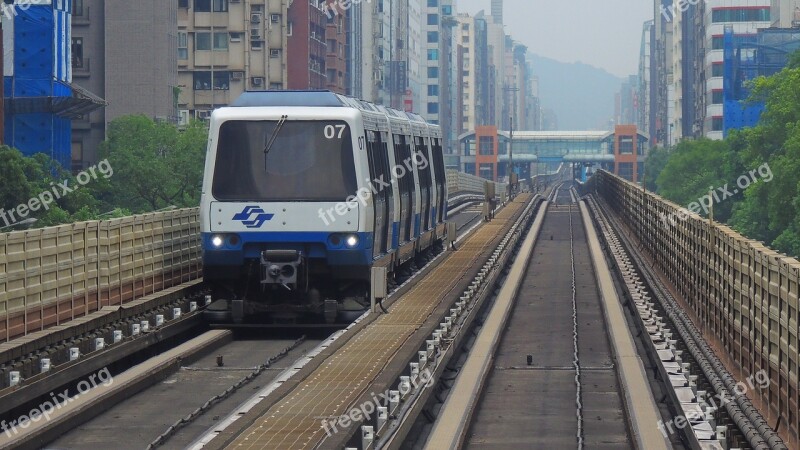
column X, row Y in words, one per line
column 747, row 58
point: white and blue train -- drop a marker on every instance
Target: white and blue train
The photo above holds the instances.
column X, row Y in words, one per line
column 305, row 191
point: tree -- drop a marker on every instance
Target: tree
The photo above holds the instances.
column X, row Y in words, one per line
column 155, row 164
column 770, row 211
column 653, row 165
column 696, row 169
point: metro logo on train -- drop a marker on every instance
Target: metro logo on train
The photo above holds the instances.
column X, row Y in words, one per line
column 261, row 217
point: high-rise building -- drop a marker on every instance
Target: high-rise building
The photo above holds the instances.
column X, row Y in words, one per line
column 106, row 38
column 336, row 26
column 440, row 99
column 497, row 10
column 306, row 46
column 661, row 72
column 745, row 18
column 676, row 87
column 226, row 47
column 496, row 40
column 627, row 111
column 476, row 73
column 785, row 13
column 645, row 84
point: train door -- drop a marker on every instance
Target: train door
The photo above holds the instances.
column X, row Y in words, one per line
column 438, row 167
column 391, row 196
column 379, row 196
column 425, row 185
column 406, row 193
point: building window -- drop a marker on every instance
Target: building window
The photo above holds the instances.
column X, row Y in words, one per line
column 626, row 145
column 202, row 80
column 433, row 19
column 183, row 3
column 716, row 124
column 717, row 42
column 202, row 5
column 77, row 52
column 202, row 41
column 77, row 7
column 486, row 171
column 183, row 45
column 626, row 171
column 743, row 14
column 433, row 90
column 486, row 145
column 433, row 72
column 447, row 10
column 433, row 36
column 433, row 54
column 220, row 5
column 433, row 108
column 717, row 70
column 433, row 3
column 716, row 97
column 221, row 41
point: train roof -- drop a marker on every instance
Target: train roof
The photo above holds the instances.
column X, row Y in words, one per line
column 288, row 98
column 319, row 98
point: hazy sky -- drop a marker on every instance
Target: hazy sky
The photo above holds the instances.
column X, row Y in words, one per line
column 602, row 33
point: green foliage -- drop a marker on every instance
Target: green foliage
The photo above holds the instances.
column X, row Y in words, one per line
column 696, row 169
column 653, row 165
column 768, row 210
column 150, row 165
column 155, row 164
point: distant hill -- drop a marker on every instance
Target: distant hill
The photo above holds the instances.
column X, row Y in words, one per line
column 582, row 96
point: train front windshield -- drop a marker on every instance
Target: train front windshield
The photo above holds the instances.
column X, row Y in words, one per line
column 301, row 160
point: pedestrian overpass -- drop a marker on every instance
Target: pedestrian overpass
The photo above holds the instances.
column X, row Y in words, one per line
column 484, row 152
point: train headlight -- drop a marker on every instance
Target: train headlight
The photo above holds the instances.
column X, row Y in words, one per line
column 352, row 241
column 217, row 241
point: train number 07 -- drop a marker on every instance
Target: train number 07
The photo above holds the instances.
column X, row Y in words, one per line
column 330, row 131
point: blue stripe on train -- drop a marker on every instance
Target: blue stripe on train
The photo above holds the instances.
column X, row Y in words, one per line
column 312, row 244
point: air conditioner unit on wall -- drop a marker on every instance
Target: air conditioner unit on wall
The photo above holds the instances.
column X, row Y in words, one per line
column 203, row 114
column 255, row 18
column 257, row 81
column 184, row 117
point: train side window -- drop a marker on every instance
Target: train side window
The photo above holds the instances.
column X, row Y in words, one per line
column 421, row 158
column 373, row 173
column 384, row 151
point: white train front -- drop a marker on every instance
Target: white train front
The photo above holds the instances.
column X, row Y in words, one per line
column 305, row 191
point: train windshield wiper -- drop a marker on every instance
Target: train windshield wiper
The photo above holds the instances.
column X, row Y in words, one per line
column 268, row 142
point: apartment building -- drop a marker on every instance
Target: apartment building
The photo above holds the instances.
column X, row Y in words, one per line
column 745, row 18
column 125, row 53
column 228, row 46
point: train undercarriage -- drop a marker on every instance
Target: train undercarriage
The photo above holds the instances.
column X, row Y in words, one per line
column 283, row 287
